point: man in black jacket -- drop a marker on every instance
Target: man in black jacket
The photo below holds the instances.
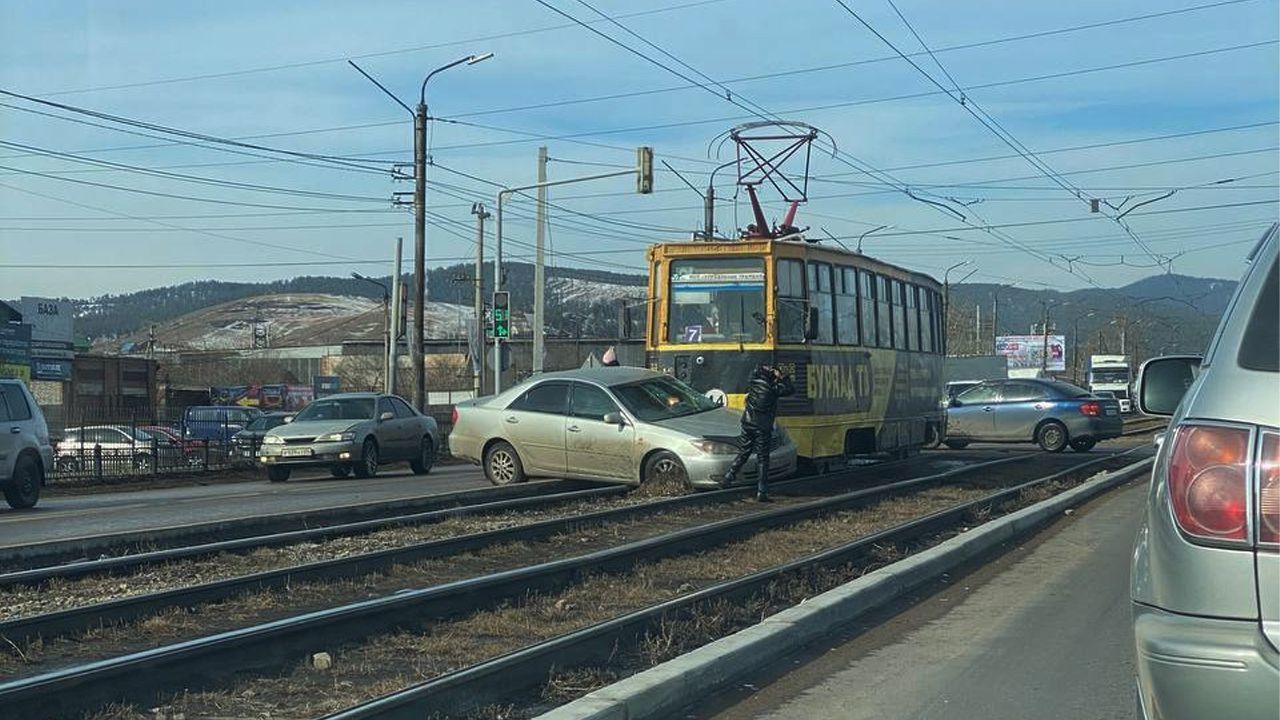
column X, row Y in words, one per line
column 766, row 386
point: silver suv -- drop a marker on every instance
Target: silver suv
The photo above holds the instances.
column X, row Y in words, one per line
column 24, row 445
column 1205, row 580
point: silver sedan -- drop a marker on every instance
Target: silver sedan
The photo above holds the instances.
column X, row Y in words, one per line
column 351, row 431
column 613, row 423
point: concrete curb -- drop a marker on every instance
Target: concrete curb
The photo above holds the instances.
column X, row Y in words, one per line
column 663, row 690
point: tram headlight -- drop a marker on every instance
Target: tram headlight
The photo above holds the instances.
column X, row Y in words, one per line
column 714, row 447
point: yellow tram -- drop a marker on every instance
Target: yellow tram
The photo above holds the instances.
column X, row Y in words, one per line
column 862, row 339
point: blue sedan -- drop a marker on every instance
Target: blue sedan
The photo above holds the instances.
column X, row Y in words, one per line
column 1050, row 413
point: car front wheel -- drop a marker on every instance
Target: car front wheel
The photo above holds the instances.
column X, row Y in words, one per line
column 367, row 466
column 277, row 474
column 664, row 469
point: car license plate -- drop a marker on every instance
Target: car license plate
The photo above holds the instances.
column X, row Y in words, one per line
column 296, row 452
column 1111, row 411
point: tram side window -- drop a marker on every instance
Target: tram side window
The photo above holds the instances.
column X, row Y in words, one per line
column 926, row 320
column 939, row 327
column 790, row 301
column 846, row 306
column 867, row 303
column 913, row 317
column 820, row 299
column 884, row 314
column 899, row 315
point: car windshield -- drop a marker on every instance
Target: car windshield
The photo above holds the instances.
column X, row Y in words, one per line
column 662, row 399
column 338, row 409
column 264, row 422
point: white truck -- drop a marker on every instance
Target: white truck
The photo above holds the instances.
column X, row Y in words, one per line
column 1111, row 373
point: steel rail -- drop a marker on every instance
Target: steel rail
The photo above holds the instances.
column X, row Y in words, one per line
column 520, row 673
column 74, row 549
column 128, row 609
column 191, row 664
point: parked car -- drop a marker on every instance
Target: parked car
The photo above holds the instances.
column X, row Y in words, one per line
column 189, row 451
column 216, row 423
column 25, row 452
column 245, row 444
column 1205, row 577
column 612, row 423
column 351, row 431
column 124, row 448
column 1050, row 413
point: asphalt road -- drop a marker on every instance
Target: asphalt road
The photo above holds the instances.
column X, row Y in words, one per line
column 1044, row 631
column 60, row 517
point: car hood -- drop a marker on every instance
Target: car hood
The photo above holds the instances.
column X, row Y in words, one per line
column 312, row 428
column 721, row 422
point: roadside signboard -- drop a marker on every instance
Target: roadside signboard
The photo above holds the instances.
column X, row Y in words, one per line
column 325, row 385
column 52, row 324
column 1026, row 352
column 15, row 351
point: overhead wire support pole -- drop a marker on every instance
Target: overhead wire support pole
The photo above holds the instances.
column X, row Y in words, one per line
column 420, row 118
column 499, row 282
column 540, row 263
column 481, row 214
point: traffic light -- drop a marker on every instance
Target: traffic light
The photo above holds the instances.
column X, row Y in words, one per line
column 501, row 314
column 644, row 169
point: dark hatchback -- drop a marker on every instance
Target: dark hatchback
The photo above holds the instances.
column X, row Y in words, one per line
column 245, row 444
column 1050, row 413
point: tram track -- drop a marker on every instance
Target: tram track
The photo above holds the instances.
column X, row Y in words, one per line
column 266, row 647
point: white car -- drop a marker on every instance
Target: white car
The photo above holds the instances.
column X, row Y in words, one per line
column 25, row 453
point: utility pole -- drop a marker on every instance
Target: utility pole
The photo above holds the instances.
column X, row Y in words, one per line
column 946, row 304
column 977, row 327
column 995, row 317
column 1044, row 351
column 481, row 214
column 540, row 264
column 420, row 118
column 397, row 295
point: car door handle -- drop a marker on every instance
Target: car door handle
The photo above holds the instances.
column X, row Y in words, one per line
column 513, row 419
column 988, row 409
column 15, row 430
column 574, row 428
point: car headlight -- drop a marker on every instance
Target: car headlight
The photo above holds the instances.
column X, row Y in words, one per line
column 346, row 436
column 273, row 440
column 714, row 447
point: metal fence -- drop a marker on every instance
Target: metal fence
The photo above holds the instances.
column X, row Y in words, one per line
column 114, row 444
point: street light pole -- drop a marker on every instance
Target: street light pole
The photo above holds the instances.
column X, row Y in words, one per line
column 946, row 304
column 481, row 214
column 420, row 117
column 386, row 325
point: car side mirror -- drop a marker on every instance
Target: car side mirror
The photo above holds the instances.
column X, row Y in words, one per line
column 1163, row 382
column 955, row 402
column 810, row 322
column 288, row 419
column 614, row 418
column 386, row 416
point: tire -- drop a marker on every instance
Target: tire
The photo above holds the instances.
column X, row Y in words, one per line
column 502, row 465
column 421, row 465
column 1052, row 437
column 367, row 466
column 1083, row 445
column 934, row 438
column 340, row 471
column 278, row 474
column 23, row 490
column 664, row 466
column 956, row 444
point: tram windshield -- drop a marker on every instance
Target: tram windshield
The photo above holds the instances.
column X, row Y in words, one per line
column 717, row 300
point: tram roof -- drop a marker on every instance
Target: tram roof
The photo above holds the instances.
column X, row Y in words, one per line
column 764, row 246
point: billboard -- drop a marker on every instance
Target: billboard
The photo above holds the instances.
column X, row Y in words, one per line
column 1026, row 352
column 15, row 351
column 52, row 342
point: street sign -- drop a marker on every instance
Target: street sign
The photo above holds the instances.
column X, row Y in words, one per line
column 325, row 385
column 15, row 351
column 501, row 315
column 644, row 170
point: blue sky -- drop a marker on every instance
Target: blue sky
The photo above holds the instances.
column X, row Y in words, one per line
column 272, row 71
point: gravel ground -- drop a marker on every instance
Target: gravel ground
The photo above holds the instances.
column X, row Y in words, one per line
column 393, row 661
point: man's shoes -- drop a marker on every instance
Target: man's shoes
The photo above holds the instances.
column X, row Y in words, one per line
column 763, row 497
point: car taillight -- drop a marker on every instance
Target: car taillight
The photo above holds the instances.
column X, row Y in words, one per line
column 1269, row 490
column 1208, row 482
column 453, row 418
column 1092, row 409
